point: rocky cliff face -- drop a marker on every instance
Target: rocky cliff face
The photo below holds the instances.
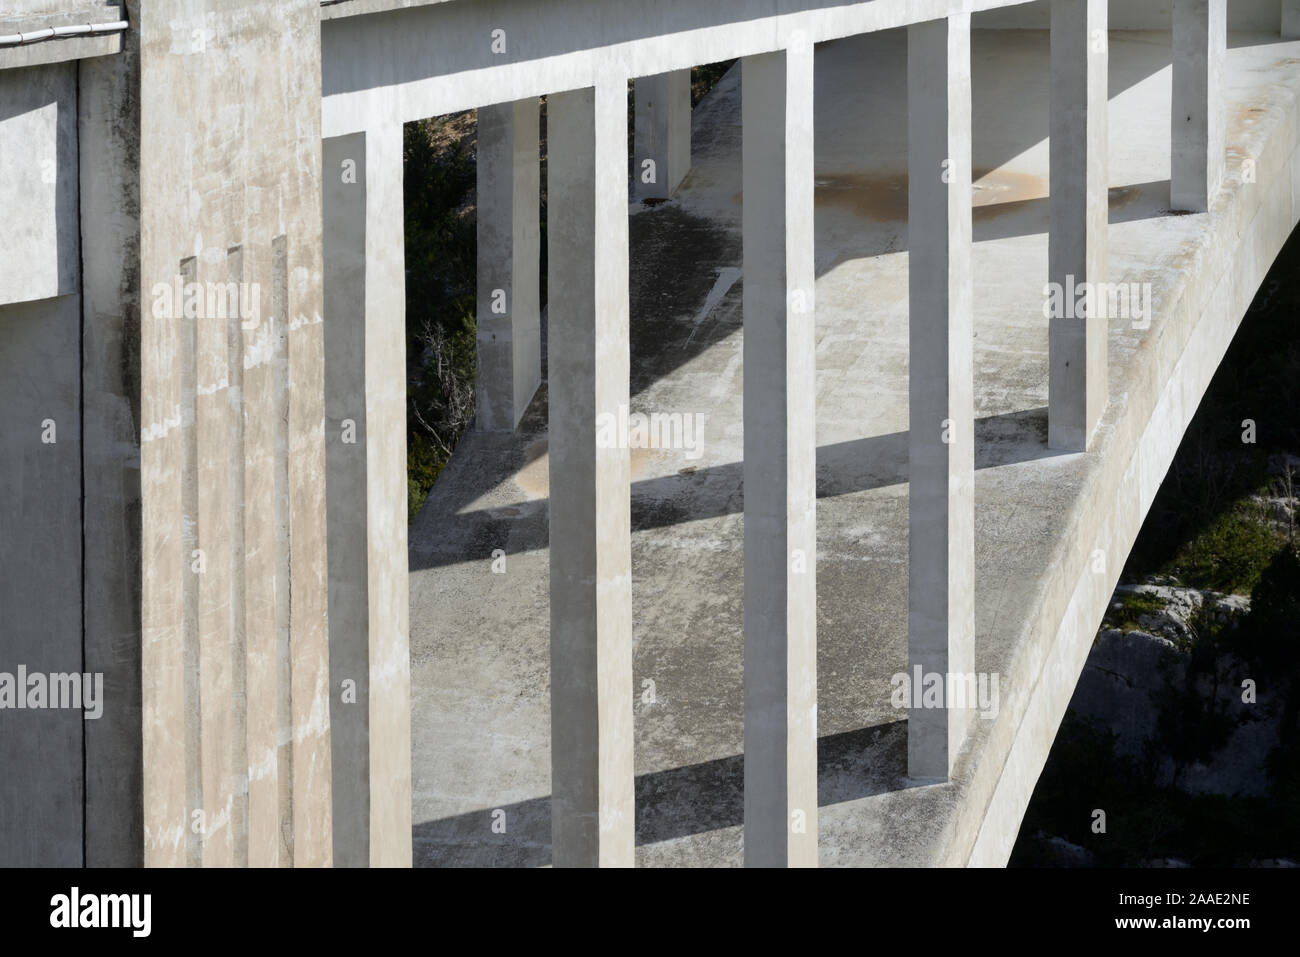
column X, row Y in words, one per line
column 1134, row 673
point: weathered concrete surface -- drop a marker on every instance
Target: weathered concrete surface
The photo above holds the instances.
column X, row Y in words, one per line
column 40, row 460
column 109, row 139
column 70, row 568
column 479, row 640
column 38, row 158
column 28, row 16
column 41, row 791
column 235, row 646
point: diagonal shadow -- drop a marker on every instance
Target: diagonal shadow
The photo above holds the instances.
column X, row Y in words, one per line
column 843, row 468
column 1023, row 217
column 670, row 804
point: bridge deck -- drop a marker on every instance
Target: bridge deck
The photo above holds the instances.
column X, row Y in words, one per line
column 479, row 640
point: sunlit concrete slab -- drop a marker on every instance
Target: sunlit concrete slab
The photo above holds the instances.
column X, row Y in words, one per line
column 1051, row 528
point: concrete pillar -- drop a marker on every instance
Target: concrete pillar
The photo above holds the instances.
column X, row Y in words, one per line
column 1077, row 248
column 662, row 134
column 1200, row 38
column 509, row 256
column 941, row 616
column 365, row 435
column 592, row 810
column 780, row 460
column 1290, row 19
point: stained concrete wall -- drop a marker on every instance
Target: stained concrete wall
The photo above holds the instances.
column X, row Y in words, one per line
column 25, row 16
column 40, row 460
column 109, row 139
column 40, row 577
column 235, row 645
column 38, row 116
column 68, row 137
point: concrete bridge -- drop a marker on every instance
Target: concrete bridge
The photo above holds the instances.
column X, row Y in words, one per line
column 869, row 287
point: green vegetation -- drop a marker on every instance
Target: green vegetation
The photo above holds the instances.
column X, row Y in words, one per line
column 704, row 78
column 1231, row 553
column 441, row 248
column 1133, row 605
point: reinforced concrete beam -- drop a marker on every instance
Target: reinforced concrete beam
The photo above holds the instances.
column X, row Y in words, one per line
column 662, row 144
column 592, row 798
column 402, row 62
column 1200, row 39
column 509, row 258
column 1079, row 209
column 780, row 460
column 941, row 529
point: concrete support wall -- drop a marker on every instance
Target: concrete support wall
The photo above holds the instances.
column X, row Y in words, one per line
column 509, row 258
column 38, row 154
column 108, row 137
column 365, row 436
column 941, row 537
column 662, row 134
column 1200, row 39
column 235, row 646
column 41, row 751
column 593, row 820
column 1077, row 248
column 780, row 460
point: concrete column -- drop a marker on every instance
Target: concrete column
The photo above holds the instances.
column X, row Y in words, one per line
column 941, row 583
column 1290, row 19
column 1077, row 248
column 1200, row 39
column 592, row 810
column 780, row 460
column 365, row 434
column 509, row 256
column 662, row 136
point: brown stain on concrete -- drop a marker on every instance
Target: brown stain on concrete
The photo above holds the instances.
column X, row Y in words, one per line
column 534, row 477
column 1121, row 196
column 883, row 198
